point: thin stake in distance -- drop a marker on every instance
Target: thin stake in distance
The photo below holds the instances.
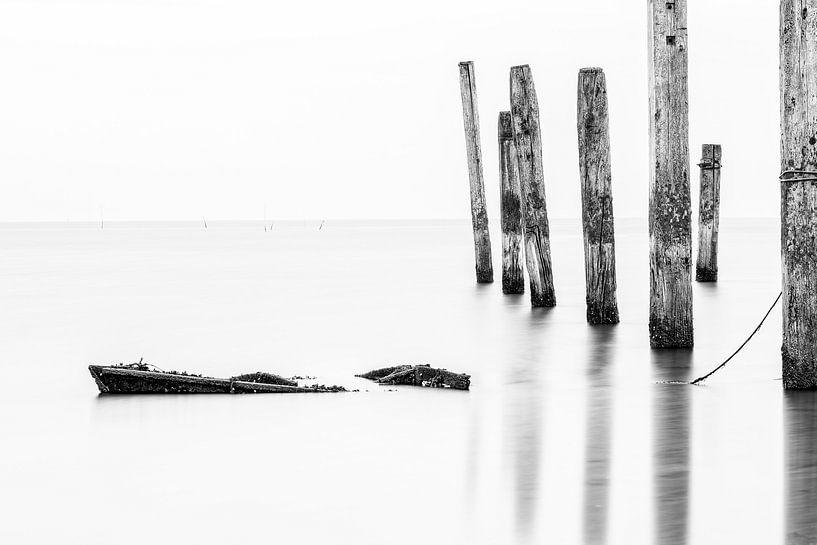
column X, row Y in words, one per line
column 709, row 213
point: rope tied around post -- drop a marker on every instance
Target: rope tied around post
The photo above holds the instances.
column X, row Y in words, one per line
column 710, row 165
column 798, row 175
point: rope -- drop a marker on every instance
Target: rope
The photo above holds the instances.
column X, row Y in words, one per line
column 797, row 175
column 713, row 371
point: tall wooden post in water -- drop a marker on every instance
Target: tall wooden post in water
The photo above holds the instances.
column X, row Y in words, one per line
column 479, row 217
column 709, row 214
column 528, row 142
column 597, row 198
column 669, row 213
column 513, row 278
column 798, row 190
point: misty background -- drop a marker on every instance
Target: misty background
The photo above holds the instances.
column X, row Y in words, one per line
column 178, row 109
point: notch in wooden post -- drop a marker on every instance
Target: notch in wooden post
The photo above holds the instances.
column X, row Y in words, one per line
column 513, row 277
column 597, row 198
column 528, row 142
column 479, row 215
column 709, row 213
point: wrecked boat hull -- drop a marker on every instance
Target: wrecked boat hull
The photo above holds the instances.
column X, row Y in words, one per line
column 122, row 380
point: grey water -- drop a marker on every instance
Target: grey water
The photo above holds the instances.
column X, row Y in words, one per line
column 567, row 435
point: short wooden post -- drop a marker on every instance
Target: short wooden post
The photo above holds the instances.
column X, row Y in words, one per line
column 479, row 216
column 798, row 190
column 709, row 214
column 525, row 117
column 597, row 198
column 669, row 212
column 513, row 278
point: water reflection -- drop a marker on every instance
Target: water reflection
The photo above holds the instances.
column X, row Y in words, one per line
column 597, row 442
column 525, row 412
column 801, row 467
column 671, row 412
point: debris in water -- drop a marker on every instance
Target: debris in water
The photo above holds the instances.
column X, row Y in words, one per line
column 419, row 375
column 142, row 378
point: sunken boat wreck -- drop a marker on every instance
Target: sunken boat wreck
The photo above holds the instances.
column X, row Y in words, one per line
column 141, row 378
column 419, row 375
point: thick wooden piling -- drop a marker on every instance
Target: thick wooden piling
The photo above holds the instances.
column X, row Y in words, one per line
column 798, row 190
column 669, row 211
column 513, row 277
column 709, row 214
column 479, row 216
column 528, row 142
column 597, row 198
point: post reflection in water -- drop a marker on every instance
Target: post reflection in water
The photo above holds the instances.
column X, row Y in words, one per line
column 801, row 467
column 671, row 433
column 525, row 416
column 597, row 449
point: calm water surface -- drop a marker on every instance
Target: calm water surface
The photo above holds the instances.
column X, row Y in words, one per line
column 566, row 436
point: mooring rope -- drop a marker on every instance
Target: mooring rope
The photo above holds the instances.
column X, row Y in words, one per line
column 719, row 367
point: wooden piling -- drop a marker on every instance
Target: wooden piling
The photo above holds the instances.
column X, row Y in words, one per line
column 528, row 143
column 709, row 214
column 669, row 211
column 597, row 198
column 798, row 190
column 479, row 216
column 513, row 277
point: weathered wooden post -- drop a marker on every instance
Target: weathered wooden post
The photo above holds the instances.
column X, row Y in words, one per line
column 513, row 278
column 709, row 214
column 669, row 215
column 597, row 198
column 479, row 217
column 798, row 190
column 528, row 142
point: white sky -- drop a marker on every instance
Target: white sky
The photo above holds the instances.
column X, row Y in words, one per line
column 324, row 109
